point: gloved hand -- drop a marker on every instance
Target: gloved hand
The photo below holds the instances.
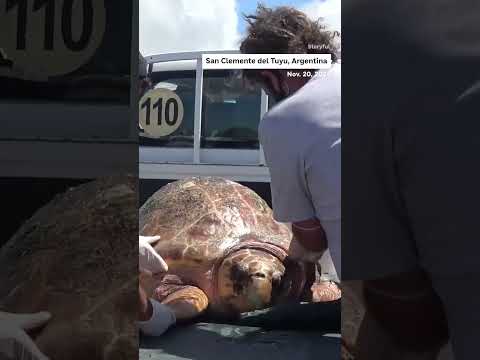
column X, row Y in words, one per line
column 154, row 318
column 15, row 343
column 149, row 260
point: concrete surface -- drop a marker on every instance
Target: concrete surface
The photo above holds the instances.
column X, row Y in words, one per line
column 206, row 341
column 289, row 331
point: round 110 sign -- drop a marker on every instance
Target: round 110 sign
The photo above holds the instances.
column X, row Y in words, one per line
column 44, row 38
column 161, row 112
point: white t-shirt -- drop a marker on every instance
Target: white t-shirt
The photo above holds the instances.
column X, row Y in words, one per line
column 301, row 139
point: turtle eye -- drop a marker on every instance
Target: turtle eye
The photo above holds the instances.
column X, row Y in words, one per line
column 260, row 275
column 277, row 277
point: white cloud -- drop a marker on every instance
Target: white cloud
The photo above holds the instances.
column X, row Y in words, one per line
column 329, row 10
column 187, row 25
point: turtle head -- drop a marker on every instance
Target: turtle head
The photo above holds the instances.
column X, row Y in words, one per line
column 248, row 279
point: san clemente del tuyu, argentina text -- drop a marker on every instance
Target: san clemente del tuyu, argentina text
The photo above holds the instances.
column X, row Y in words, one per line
column 271, row 60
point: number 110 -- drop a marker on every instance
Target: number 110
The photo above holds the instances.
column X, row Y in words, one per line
column 67, row 14
column 171, row 121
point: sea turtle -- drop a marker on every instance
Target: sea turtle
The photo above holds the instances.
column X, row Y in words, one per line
column 226, row 254
column 77, row 258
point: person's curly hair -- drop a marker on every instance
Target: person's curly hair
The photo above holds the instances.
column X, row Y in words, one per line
column 285, row 30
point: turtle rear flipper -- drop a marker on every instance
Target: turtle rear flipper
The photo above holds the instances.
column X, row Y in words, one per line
column 186, row 301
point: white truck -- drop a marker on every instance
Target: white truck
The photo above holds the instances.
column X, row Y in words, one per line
column 196, row 122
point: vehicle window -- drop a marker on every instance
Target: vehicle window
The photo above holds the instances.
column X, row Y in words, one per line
column 271, row 102
column 181, row 83
column 230, row 111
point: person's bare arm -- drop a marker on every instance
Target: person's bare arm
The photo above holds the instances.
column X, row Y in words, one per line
column 309, row 240
column 310, row 234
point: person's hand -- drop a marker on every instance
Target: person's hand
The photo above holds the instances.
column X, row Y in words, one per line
column 14, row 340
column 149, row 260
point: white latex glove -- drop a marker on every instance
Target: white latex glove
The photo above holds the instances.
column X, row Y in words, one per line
column 149, row 260
column 162, row 319
column 15, row 343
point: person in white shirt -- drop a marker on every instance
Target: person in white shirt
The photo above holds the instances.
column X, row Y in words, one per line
column 301, row 134
column 154, row 318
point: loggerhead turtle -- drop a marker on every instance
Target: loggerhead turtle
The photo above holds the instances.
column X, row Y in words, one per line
column 225, row 252
column 77, row 257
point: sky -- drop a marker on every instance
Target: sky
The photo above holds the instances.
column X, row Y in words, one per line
column 191, row 25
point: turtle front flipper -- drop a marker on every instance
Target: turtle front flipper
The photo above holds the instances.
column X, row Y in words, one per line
column 186, row 301
column 325, row 291
column 322, row 290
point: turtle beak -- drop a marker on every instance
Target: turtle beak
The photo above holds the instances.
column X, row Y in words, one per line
column 259, row 290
